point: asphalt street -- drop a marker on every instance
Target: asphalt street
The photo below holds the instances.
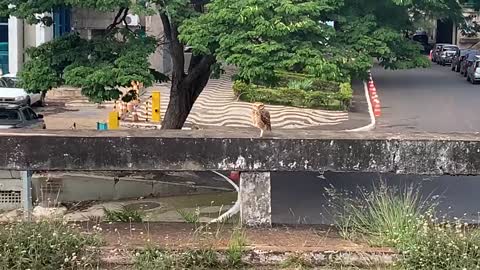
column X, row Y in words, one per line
column 421, row 100
column 427, row 100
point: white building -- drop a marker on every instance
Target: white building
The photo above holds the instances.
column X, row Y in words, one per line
column 16, row 36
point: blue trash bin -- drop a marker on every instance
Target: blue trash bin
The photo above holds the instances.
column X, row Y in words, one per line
column 102, row 126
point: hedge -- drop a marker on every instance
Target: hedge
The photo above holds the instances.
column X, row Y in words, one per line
column 336, row 96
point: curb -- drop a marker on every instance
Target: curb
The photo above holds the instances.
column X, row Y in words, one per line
column 145, row 126
column 258, row 257
column 373, row 121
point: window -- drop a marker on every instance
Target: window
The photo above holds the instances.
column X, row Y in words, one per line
column 26, row 115
column 61, row 21
column 9, row 115
column 3, row 30
column 32, row 114
column 4, row 44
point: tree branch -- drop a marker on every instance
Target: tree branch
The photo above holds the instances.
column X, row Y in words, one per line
column 200, row 72
column 176, row 47
column 119, row 18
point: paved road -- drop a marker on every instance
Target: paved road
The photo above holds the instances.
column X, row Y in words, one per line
column 432, row 100
column 429, row 100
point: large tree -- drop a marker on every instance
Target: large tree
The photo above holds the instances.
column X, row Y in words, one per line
column 257, row 36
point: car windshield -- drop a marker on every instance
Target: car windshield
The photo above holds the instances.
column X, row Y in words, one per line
column 8, row 82
column 472, row 56
column 7, row 115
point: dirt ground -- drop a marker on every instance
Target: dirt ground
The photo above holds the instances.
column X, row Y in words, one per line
column 187, row 236
column 59, row 116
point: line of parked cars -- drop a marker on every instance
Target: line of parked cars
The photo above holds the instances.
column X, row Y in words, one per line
column 464, row 61
column 15, row 102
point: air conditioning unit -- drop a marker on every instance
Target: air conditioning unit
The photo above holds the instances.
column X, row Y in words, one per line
column 132, row 20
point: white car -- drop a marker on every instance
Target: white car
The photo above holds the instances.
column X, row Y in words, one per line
column 11, row 93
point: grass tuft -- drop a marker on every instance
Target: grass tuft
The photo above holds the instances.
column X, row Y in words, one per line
column 46, row 245
column 399, row 218
column 124, row 215
column 236, row 248
column 163, row 259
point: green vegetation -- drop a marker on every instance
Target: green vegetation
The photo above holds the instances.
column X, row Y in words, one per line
column 400, row 219
column 124, row 215
column 306, row 93
column 236, row 248
column 46, row 245
column 158, row 259
column 384, row 216
column 296, row 262
column 257, row 36
column 192, row 217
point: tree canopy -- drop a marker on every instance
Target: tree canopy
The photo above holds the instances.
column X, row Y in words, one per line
column 257, row 36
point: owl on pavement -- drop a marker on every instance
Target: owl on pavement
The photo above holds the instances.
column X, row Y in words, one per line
column 261, row 118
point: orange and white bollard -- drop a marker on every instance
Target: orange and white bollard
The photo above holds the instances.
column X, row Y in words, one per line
column 377, row 109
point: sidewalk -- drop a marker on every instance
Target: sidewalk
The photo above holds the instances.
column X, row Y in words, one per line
column 218, row 106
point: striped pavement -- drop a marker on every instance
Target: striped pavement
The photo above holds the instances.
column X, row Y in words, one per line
column 218, row 106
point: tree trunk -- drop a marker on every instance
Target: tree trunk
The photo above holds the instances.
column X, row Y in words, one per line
column 179, row 107
column 183, row 95
column 185, row 87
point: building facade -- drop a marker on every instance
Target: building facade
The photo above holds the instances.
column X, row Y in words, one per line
column 16, row 36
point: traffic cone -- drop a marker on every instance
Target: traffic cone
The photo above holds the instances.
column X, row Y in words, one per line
column 377, row 109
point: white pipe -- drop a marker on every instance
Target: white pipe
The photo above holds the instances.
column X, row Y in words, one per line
column 235, row 208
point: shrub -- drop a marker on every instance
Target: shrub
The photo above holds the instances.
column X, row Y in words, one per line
column 385, row 216
column 306, row 85
column 46, row 245
column 285, row 78
column 399, row 218
column 293, row 96
column 442, row 247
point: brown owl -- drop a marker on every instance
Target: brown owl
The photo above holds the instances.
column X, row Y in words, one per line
column 261, row 118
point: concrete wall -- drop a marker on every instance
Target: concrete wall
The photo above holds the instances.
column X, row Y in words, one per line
column 160, row 60
column 87, row 21
column 464, row 41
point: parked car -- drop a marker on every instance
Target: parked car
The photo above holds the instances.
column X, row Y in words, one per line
column 10, row 92
column 473, row 71
column 458, row 58
column 19, row 116
column 470, row 57
column 447, row 54
column 437, row 51
column 422, row 38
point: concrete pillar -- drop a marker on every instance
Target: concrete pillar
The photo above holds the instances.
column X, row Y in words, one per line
column 255, row 199
column 43, row 33
column 15, row 45
column 27, row 195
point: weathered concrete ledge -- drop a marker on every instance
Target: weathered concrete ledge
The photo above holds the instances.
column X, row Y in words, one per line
column 240, row 149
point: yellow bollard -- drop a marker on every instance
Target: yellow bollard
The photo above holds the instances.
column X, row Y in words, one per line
column 113, row 120
column 156, row 115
